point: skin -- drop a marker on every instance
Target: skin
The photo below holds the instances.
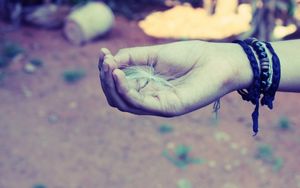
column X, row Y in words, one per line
column 201, row 72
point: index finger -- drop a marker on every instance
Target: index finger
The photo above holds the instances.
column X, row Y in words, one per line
column 137, row 56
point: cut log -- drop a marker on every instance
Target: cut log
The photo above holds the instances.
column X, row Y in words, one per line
column 87, row 22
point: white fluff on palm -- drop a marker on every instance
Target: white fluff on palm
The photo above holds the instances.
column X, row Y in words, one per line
column 146, row 74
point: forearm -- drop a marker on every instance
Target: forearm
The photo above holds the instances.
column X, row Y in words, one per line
column 289, row 55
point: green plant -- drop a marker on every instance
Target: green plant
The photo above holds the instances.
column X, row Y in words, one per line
column 11, row 49
column 284, row 124
column 181, row 157
column 72, row 76
column 277, row 163
column 184, row 183
column 164, row 129
column 266, row 154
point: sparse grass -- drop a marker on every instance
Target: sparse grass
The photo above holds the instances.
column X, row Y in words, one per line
column 284, row 123
column 265, row 153
column 9, row 50
column 181, row 157
column 165, row 129
column 73, row 76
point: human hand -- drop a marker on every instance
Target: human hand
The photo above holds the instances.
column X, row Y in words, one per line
column 196, row 73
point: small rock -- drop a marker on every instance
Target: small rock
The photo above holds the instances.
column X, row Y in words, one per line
column 228, row 167
column 29, row 68
column 26, row 91
column 230, row 185
column 53, row 118
column 222, row 136
column 262, row 170
column 297, row 179
column 73, row 105
column 212, row 164
column 170, row 145
column 234, row 146
column 244, row 151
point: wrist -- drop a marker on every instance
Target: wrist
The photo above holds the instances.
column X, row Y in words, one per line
column 231, row 54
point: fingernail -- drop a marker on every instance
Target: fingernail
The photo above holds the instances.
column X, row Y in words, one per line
column 105, row 51
column 114, row 75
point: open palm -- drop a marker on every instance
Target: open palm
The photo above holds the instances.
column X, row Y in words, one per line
column 193, row 80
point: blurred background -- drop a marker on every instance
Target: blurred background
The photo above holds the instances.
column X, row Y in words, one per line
column 57, row 130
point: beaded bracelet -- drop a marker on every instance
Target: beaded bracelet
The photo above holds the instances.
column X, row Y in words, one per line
column 253, row 92
column 264, row 62
column 266, row 82
column 269, row 96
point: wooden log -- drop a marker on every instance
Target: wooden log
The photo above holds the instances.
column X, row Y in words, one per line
column 87, row 22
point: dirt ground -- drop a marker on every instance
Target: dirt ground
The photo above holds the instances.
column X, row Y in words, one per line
column 59, row 135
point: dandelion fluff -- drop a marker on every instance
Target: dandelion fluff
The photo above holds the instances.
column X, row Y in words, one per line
column 146, row 74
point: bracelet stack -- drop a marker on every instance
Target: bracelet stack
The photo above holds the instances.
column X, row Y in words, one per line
column 266, row 73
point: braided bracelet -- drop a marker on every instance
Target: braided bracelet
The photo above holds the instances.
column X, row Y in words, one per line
column 253, row 92
column 265, row 82
column 264, row 61
column 269, row 96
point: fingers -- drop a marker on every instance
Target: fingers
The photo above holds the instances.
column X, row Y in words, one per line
column 103, row 68
column 147, row 103
column 101, row 59
column 137, row 56
column 109, row 87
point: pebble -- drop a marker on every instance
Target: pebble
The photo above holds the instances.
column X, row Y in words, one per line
column 244, row 151
column 29, row 68
column 212, row 163
column 26, row 91
column 262, row 170
column 73, row 105
column 234, row 145
column 170, row 145
column 228, row 167
column 297, row 179
column 53, row 118
column 230, row 185
column 222, row 136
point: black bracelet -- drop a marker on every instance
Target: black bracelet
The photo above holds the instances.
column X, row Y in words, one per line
column 253, row 92
column 270, row 94
column 263, row 60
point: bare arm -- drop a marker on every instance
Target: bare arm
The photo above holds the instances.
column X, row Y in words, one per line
column 201, row 73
